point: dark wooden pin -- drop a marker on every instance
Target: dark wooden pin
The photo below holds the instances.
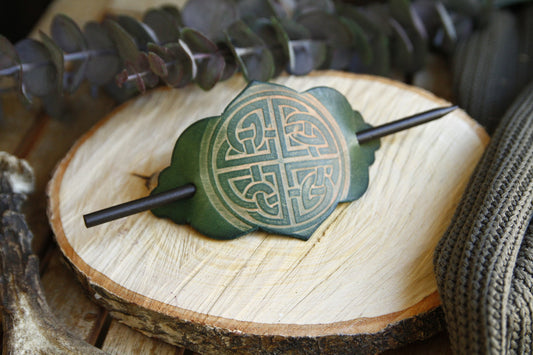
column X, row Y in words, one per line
column 402, row 124
column 187, row 191
column 140, row 205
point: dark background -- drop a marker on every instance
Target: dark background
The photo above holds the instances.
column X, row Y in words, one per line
column 17, row 17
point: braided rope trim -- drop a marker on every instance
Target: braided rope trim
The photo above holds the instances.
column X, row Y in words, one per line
column 484, row 262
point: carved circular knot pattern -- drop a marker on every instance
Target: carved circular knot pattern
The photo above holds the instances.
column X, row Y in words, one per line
column 279, row 161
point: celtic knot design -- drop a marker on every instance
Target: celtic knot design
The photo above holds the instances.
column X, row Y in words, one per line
column 278, row 161
column 275, row 159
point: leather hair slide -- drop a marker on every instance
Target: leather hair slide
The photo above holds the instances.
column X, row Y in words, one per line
column 275, row 159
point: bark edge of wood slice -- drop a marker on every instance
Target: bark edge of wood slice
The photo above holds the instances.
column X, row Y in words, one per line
column 362, row 283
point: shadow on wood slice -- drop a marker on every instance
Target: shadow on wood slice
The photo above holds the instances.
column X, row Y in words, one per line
column 363, row 282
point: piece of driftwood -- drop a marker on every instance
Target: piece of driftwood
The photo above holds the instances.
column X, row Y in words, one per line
column 121, row 339
column 362, row 283
column 29, row 327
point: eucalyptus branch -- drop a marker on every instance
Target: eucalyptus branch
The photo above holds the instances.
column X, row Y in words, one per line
column 85, row 55
column 67, row 57
column 259, row 38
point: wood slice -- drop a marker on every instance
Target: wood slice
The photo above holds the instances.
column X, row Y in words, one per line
column 363, row 282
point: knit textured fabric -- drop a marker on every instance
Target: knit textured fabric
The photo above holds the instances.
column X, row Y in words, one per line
column 484, row 262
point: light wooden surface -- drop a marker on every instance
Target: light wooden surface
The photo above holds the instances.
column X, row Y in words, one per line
column 22, row 131
column 367, row 266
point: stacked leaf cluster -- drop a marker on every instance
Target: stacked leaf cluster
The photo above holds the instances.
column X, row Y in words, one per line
column 209, row 40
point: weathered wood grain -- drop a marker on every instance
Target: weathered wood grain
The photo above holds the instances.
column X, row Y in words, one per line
column 29, row 326
column 69, row 301
column 121, row 340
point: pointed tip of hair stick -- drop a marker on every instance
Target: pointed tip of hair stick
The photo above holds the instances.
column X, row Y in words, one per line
column 403, row 123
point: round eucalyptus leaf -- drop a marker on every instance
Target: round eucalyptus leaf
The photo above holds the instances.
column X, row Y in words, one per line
column 278, row 8
column 402, row 47
column 427, row 14
column 420, row 38
column 10, row 64
column 174, row 12
column 8, row 54
column 376, row 17
column 25, row 97
column 179, row 65
column 197, row 42
column 406, row 23
column 124, row 42
column 211, row 17
column 230, row 65
column 470, row 8
column 360, row 17
column 39, row 75
column 399, row 10
column 464, row 26
column 283, row 38
column 144, row 71
column 303, row 54
column 255, row 9
column 361, row 44
column 324, row 26
column 303, row 7
column 494, row 49
column 446, row 36
column 334, row 32
column 306, row 56
column 56, row 55
column 103, row 63
column 68, row 36
column 252, row 54
column 165, row 26
column 157, row 65
column 291, row 29
column 382, row 58
column 403, row 12
column 210, row 70
column 208, row 59
column 418, row 23
column 266, row 30
column 339, row 58
column 140, row 32
column 73, row 78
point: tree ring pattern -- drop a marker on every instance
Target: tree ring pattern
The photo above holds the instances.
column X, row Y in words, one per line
column 279, row 161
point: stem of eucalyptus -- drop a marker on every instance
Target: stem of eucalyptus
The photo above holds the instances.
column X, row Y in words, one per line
column 67, row 57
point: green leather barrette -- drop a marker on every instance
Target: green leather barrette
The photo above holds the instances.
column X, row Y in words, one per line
column 275, row 160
